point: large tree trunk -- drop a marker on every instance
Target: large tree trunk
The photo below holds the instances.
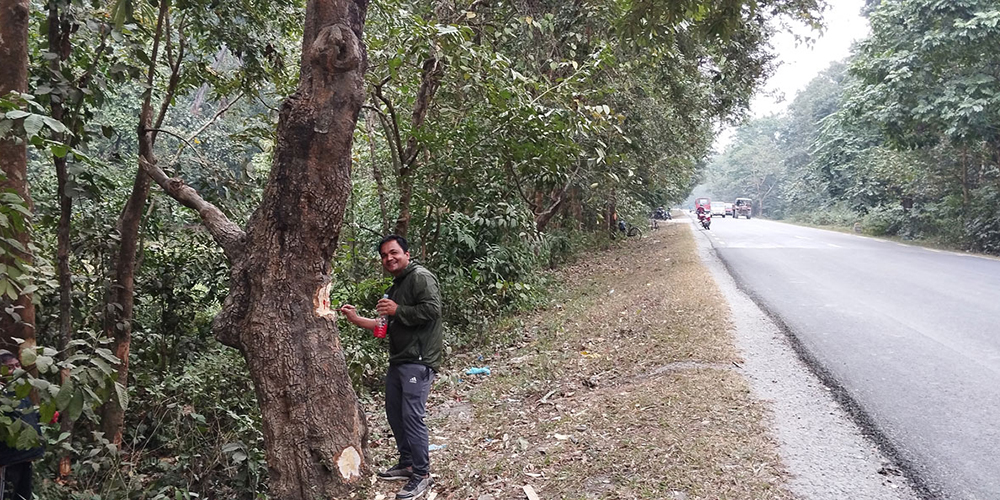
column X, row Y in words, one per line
column 277, row 313
column 14, row 161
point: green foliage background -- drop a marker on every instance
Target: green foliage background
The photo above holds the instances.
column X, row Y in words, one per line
column 584, row 111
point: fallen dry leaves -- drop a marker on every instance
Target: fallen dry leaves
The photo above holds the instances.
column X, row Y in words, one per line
column 626, row 386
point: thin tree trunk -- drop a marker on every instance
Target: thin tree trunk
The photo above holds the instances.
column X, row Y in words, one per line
column 278, row 311
column 611, row 210
column 14, row 163
column 370, row 118
column 121, row 298
column 55, row 39
column 404, row 184
column 965, row 180
column 557, row 197
column 430, row 80
column 576, row 208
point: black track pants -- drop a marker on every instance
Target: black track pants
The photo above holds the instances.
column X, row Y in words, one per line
column 406, row 390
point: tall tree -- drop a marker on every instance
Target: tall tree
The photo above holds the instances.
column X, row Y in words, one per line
column 277, row 312
column 17, row 317
column 185, row 49
column 121, row 296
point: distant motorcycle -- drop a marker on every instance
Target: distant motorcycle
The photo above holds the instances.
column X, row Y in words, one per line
column 705, row 218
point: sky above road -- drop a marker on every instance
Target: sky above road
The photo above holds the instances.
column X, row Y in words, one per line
column 798, row 63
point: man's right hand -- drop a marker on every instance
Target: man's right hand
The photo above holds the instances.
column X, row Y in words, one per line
column 350, row 313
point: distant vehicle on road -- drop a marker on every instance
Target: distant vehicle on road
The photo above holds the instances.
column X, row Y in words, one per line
column 702, row 203
column 719, row 208
column 729, row 210
column 743, row 206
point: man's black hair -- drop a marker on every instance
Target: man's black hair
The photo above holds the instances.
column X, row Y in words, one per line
column 6, row 356
column 393, row 237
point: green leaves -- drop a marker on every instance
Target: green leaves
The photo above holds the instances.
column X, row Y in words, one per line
column 927, row 71
column 33, row 124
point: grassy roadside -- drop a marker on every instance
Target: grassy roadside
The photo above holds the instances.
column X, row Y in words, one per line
column 627, row 386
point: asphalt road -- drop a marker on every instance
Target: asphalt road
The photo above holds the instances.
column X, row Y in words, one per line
column 911, row 336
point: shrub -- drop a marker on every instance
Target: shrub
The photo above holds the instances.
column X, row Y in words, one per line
column 884, row 221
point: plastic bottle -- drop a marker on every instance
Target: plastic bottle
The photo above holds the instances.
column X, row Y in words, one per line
column 381, row 324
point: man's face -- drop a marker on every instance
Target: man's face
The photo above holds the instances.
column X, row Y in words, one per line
column 394, row 259
column 11, row 364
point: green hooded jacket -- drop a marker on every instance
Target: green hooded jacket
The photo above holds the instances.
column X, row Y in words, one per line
column 415, row 334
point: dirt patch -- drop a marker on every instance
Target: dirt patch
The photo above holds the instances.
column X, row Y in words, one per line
column 627, row 386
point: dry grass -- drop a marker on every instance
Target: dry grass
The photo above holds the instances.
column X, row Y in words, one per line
column 628, row 386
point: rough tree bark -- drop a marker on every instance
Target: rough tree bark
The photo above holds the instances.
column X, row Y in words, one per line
column 14, row 161
column 277, row 312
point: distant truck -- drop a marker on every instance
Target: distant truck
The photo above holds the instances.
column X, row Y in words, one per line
column 742, row 206
column 703, row 203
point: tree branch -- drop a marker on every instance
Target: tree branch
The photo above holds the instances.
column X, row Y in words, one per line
column 396, row 139
column 520, row 189
column 387, row 127
column 225, row 232
column 175, row 76
column 182, row 139
column 430, row 80
column 202, row 128
column 543, row 218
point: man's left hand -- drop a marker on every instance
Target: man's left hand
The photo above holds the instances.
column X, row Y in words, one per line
column 386, row 307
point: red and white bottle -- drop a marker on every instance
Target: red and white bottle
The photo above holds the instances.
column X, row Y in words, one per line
column 381, row 323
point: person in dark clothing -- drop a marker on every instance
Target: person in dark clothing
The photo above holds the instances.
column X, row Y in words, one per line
column 413, row 308
column 15, row 480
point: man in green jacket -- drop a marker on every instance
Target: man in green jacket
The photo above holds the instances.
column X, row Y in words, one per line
column 413, row 309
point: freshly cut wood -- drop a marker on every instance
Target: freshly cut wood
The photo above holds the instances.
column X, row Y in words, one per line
column 530, row 492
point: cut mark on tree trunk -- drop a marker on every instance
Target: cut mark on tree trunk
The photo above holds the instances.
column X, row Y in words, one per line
column 321, row 302
column 349, row 463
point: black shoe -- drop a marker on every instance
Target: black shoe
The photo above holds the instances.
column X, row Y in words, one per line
column 416, row 486
column 397, row 473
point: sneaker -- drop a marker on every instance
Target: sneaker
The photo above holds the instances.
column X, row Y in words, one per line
column 416, row 486
column 397, row 473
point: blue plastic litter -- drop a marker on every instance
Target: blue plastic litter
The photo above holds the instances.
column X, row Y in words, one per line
column 485, row 370
column 435, row 447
